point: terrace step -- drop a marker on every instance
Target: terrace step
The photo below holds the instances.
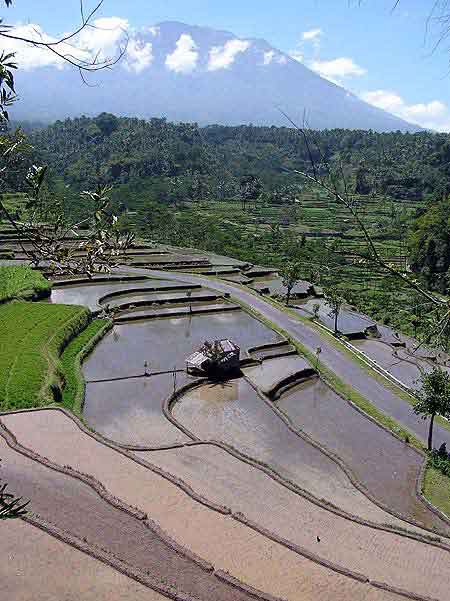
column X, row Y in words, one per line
column 177, row 312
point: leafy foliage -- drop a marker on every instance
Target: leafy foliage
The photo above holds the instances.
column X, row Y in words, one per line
column 76, row 350
column 433, row 398
column 290, row 274
column 429, row 244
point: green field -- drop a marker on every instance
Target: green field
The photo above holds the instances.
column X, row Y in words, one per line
column 436, row 488
column 22, row 283
column 32, row 336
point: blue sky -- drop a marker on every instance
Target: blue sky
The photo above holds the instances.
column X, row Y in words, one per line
column 381, row 55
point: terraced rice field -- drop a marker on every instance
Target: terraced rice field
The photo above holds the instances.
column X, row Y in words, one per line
column 267, row 485
column 225, row 541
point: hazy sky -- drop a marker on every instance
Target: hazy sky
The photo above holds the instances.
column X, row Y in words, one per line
column 384, row 56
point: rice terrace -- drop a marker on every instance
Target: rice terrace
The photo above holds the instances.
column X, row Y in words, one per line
column 286, row 475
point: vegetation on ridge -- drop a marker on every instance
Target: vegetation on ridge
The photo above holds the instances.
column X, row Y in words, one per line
column 22, row 282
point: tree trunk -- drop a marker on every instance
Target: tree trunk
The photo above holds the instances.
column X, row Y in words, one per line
column 336, row 315
column 288, row 296
column 430, row 433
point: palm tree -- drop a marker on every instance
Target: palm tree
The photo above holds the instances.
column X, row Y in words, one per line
column 434, row 398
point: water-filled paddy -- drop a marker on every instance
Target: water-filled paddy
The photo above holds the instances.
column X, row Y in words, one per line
column 396, row 361
column 349, row 322
column 235, row 414
column 275, row 286
column 386, row 466
column 129, row 411
column 166, row 343
column 161, row 297
column 90, row 294
column 273, row 371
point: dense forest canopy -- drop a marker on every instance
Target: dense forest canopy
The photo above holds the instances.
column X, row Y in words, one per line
column 82, row 150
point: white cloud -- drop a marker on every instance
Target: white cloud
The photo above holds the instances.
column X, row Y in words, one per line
column 104, row 37
column 155, row 31
column 102, row 41
column 312, row 36
column 269, row 56
column 337, row 69
column 29, row 56
column 222, row 57
column 139, row 55
column 431, row 115
column 297, row 55
column 184, row 58
column 274, row 57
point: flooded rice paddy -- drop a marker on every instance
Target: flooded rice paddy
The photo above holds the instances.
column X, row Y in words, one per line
column 90, row 294
column 274, row 371
column 166, row 343
column 236, row 415
column 349, row 323
column 386, row 466
column 129, row 410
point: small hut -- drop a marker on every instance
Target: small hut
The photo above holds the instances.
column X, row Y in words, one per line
column 214, row 359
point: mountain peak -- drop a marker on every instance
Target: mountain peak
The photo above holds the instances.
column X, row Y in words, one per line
column 193, row 73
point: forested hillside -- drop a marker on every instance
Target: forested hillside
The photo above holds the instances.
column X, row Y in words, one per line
column 214, row 158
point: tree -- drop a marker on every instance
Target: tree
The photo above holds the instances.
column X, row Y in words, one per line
column 434, row 398
column 250, row 189
column 335, row 301
column 290, row 274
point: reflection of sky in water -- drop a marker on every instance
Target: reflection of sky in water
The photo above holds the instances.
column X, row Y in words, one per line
column 387, row 466
column 129, row 411
column 89, row 294
column 165, row 343
column 239, row 417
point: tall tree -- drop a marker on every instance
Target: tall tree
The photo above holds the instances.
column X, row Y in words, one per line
column 290, row 274
column 434, row 398
column 335, row 301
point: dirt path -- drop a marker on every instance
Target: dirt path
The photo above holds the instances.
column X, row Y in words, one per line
column 228, row 544
column 37, row 567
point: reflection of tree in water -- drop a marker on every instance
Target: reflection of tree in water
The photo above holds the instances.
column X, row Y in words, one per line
column 221, row 390
column 115, row 335
column 188, row 329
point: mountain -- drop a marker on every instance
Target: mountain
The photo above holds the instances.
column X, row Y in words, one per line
column 190, row 73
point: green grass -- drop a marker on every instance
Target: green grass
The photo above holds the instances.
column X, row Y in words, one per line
column 71, row 360
column 436, row 488
column 32, row 336
column 22, row 282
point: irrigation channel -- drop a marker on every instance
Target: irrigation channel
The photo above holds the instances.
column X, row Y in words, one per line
column 269, row 485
